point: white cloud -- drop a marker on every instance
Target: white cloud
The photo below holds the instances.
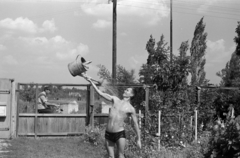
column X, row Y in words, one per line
column 23, row 24
column 216, row 51
column 102, row 24
column 71, row 54
column 34, row 41
column 217, row 45
column 55, row 47
column 206, row 5
column 82, row 49
column 26, row 25
column 59, row 39
column 49, row 26
column 136, row 61
column 152, row 11
column 217, row 55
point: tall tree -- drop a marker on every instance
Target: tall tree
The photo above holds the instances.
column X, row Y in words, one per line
column 197, row 51
column 123, row 77
column 230, row 75
column 184, row 59
column 237, row 39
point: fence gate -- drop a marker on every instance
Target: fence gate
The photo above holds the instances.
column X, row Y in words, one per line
column 7, row 108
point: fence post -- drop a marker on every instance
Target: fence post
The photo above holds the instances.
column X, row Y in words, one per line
column 36, row 112
column 146, row 103
column 140, row 119
column 196, row 117
column 159, row 129
column 18, row 96
column 92, row 106
column 88, row 106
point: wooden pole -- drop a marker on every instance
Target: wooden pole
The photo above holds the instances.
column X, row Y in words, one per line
column 146, row 103
column 88, row 106
column 140, row 119
column 17, row 119
column 159, row 129
column 13, row 110
column 196, row 117
column 171, row 31
column 191, row 118
column 36, row 111
column 92, row 106
column 114, row 49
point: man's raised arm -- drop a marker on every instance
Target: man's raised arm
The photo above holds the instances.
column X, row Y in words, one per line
column 104, row 95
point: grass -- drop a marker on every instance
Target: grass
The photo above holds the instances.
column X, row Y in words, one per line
column 70, row 147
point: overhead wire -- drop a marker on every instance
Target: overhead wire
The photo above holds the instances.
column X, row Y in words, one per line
column 177, row 6
column 151, row 8
column 183, row 12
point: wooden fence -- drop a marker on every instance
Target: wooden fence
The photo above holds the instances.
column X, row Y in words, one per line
column 36, row 124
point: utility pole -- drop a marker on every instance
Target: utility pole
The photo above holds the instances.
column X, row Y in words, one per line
column 114, row 47
column 171, row 31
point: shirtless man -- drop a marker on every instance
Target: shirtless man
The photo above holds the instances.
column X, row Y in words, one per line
column 115, row 133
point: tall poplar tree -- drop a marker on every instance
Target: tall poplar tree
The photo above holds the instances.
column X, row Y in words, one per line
column 230, row 75
column 198, row 51
column 237, row 39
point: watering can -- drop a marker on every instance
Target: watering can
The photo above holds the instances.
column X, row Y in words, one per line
column 79, row 66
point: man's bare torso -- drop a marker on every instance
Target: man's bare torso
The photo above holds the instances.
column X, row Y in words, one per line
column 118, row 113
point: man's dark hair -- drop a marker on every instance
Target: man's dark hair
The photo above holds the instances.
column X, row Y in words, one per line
column 133, row 91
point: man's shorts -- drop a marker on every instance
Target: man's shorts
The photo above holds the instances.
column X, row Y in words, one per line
column 114, row 137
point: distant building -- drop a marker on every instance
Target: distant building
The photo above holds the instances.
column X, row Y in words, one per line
column 75, row 94
column 69, row 107
column 105, row 108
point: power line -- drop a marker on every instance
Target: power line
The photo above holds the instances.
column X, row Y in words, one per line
column 181, row 12
column 175, row 6
column 211, row 11
column 177, row 2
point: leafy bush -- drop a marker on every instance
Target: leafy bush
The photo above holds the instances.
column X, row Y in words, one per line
column 226, row 141
column 94, row 136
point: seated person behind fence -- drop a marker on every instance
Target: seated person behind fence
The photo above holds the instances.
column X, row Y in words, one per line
column 44, row 106
column 120, row 109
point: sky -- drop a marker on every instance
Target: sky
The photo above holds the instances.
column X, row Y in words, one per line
column 39, row 38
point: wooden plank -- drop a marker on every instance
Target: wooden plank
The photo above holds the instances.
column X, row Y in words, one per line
column 101, row 115
column 55, row 84
column 51, row 115
column 30, row 124
column 52, row 124
column 52, row 134
column 26, row 125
